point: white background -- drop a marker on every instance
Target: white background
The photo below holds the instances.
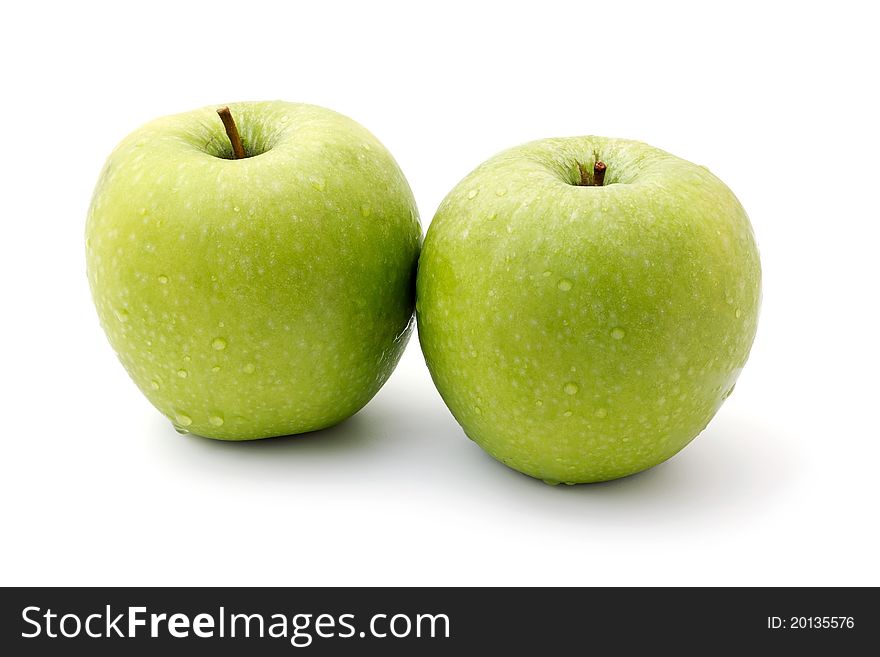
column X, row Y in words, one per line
column 778, row 99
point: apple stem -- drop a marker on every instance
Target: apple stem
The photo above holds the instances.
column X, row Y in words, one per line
column 599, row 173
column 595, row 180
column 232, row 133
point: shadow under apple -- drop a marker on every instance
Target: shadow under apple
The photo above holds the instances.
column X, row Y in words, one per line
column 383, row 444
column 735, row 466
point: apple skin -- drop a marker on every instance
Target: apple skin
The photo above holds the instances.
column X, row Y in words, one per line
column 585, row 333
column 257, row 297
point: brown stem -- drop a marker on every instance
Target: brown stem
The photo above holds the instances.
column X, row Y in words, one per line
column 599, row 173
column 232, row 132
column 597, row 178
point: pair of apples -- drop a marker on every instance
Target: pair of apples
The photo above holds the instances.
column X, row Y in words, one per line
column 585, row 305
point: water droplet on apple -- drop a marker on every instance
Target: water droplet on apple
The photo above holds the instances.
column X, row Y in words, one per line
column 618, row 333
column 473, row 193
column 538, row 402
column 235, row 208
column 366, row 210
column 216, row 420
column 551, row 482
column 180, row 430
column 318, row 183
column 219, row 344
column 182, row 374
column 187, row 358
column 121, row 314
column 163, row 279
column 142, row 211
column 564, row 284
column 154, row 384
column 478, row 410
column 567, row 414
column 216, row 368
column 547, row 273
column 249, row 368
column 500, row 192
column 601, row 412
column 571, row 388
column 183, row 419
column 738, row 313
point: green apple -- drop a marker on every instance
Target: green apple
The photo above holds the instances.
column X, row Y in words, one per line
column 260, row 295
column 585, row 322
